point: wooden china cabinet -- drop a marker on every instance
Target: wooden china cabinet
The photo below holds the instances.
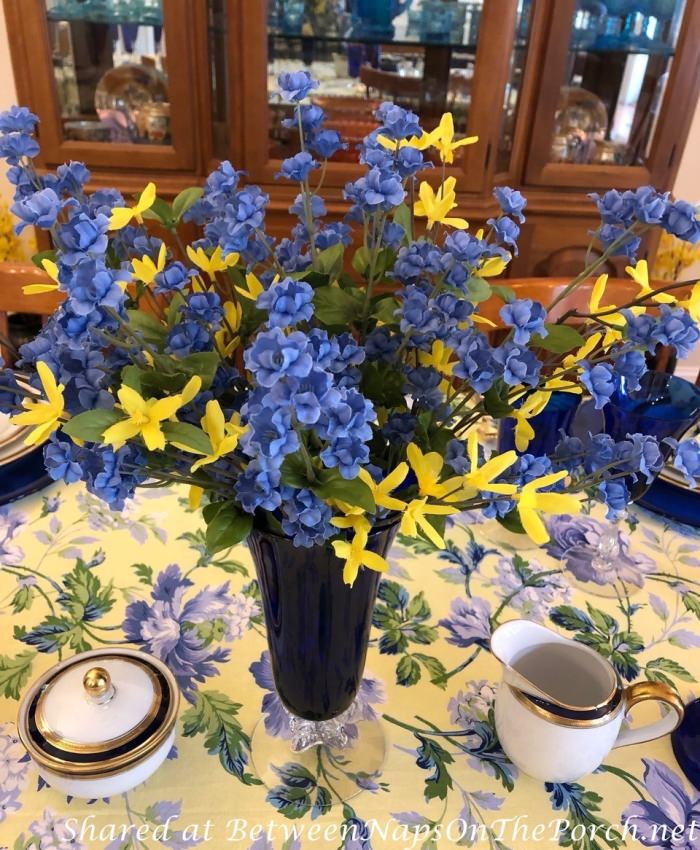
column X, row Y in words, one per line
column 567, row 96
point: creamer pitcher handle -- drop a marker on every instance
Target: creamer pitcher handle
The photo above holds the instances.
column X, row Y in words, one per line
column 640, row 692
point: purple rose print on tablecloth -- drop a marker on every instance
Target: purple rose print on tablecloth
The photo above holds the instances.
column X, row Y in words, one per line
column 576, row 541
column 671, row 818
column 468, row 622
column 370, row 693
column 516, row 580
column 14, row 770
column 168, row 627
column 10, row 522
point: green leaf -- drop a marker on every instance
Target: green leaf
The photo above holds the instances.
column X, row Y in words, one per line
column 478, row 290
column 360, row 260
column 432, row 755
column 668, row 665
column 91, row 424
column 161, row 211
column 22, row 600
column 227, row 527
column 559, row 339
column 203, row 364
column 189, row 436
column 402, row 216
column 385, row 310
column 335, row 307
column 293, row 471
column 144, row 573
column 84, row 597
column 150, row 328
column 185, row 199
column 214, row 715
column 407, row 671
column 44, row 255
column 330, row 261
column 436, row 669
column 14, row 673
column 505, row 293
column 332, row 485
column 382, row 384
column 496, row 400
column 172, row 311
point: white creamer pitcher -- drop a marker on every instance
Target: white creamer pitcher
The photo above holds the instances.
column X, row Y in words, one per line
column 567, row 735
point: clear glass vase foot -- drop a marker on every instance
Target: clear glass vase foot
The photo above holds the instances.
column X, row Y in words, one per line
column 344, row 756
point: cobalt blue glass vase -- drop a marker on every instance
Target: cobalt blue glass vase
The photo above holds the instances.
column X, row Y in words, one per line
column 556, row 417
column 318, row 633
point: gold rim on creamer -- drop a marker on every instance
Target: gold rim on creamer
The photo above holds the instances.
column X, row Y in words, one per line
column 113, row 764
column 560, row 719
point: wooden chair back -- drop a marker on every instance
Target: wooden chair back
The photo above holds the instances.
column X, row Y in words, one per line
column 391, row 84
column 14, row 276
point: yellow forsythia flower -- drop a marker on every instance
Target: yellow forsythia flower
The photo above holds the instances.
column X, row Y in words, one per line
column 44, row 415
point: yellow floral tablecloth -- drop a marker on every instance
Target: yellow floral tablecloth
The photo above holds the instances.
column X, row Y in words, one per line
column 74, row 575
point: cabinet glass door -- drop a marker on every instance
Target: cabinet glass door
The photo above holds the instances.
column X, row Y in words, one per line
column 103, row 80
column 110, row 68
column 613, row 82
column 420, row 55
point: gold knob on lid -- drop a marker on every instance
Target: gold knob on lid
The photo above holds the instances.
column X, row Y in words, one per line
column 98, row 684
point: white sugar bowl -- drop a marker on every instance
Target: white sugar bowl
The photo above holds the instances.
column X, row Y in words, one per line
column 101, row 722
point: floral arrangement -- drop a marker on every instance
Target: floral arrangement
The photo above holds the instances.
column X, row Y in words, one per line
column 313, row 401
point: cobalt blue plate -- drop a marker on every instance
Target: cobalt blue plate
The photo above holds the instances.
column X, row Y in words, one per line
column 23, row 476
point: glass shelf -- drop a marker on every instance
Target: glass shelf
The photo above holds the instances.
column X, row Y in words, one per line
column 360, row 38
column 147, row 13
column 631, row 50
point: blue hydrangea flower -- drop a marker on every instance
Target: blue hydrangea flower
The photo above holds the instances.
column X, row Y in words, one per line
column 83, row 236
column 631, row 365
column 274, row 356
column 465, row 248
column 318, row 206
column 393, row 235
column 397, row 123
column 187, row 338
column 307, row 396
column 599, row 380
column 505, row 231
column 258, row 487
column 40, row 209
column 18, row 119
column 91, row 286
column 677, row 328
column 649, row 205
column 332, row 234
column 423, row 384
column 173, row 278
column 476, row 361
column 378, row 190
column 306, row 519
column 61, row 459
column 271, row 434
column 511, row 202
column 681, row 220
column 520, row 365
column 73, row 177
column 350, row 415
column 409, row 161
column 312, row 117
column 615, row 208
column 326, row 143
column 687, row 460
column 15, row 146
column 400, row 428
column 296, row 85
column 348, row 454
column 381, row 344
column 615, row 495
column 288, row 302
column 610, row 233
column 417, row 261
column 527, row 317
column 204, row 307
column 298, row 167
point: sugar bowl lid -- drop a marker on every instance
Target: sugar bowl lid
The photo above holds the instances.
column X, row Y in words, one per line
column 99, row 712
